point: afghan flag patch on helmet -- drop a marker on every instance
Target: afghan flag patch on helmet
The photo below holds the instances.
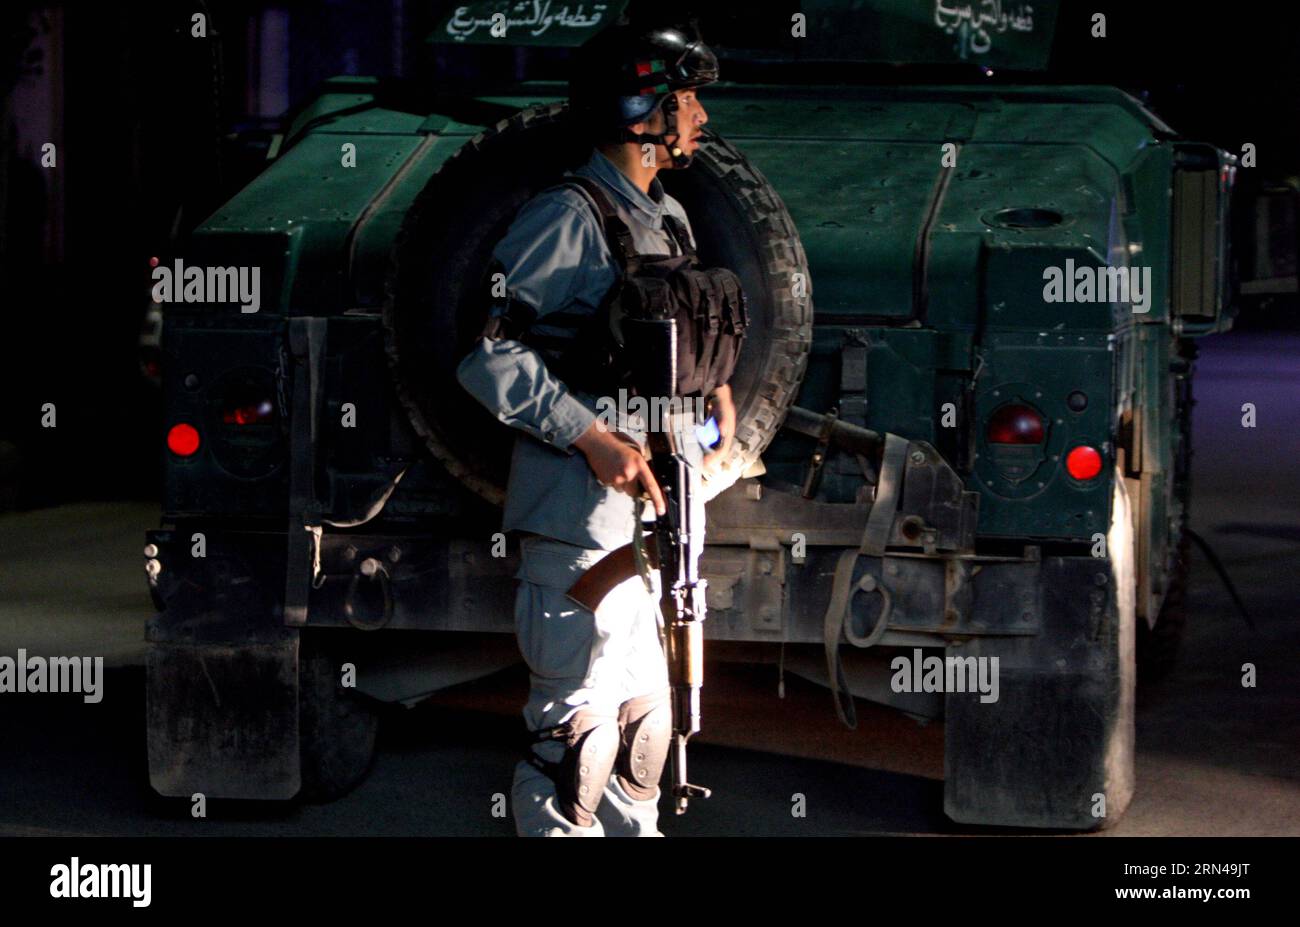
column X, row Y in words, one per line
column 648, row 68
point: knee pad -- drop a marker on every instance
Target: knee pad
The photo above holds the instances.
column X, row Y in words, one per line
column 590, row 750
column 645, row 723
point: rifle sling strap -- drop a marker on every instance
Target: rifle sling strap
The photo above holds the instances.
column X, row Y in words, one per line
column 640, row 555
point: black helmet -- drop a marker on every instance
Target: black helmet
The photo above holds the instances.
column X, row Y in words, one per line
column 623, row 74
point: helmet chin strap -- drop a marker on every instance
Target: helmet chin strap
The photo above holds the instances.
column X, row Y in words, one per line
column 669, row 108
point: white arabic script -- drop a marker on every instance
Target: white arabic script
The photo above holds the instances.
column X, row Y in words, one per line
column 536, row 15
column 973, row 22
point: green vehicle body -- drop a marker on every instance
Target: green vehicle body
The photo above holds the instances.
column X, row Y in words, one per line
column 928, row 215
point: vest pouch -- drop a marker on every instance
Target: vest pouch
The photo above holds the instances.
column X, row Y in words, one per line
column 733, row 323
column 709, row 311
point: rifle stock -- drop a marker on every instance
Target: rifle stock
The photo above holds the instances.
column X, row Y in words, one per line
column 614, row 568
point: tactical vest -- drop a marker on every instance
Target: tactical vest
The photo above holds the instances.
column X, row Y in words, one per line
column 586, row 350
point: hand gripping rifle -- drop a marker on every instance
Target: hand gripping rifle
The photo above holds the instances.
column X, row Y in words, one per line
column 669, row 547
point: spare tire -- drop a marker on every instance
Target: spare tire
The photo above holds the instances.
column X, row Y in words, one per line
column 435, row 301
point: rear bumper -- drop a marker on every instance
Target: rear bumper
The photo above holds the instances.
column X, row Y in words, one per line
column 235, row 592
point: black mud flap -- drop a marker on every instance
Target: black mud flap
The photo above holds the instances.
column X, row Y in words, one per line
column 223, row 719
column 1055, row 750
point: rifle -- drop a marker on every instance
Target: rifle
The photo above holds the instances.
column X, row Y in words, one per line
column 620, row 565
column 669, row 548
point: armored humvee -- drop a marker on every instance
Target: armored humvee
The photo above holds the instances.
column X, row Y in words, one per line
column 963, row 412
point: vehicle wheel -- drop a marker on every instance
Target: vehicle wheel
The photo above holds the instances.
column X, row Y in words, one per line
column 435, row 303
column 1119, row 758
column 337, row 727
column 1157, row 647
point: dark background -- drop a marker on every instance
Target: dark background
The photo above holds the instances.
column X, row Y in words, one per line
column 152, row 137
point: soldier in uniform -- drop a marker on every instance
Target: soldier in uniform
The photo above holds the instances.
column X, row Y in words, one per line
column 599, row 699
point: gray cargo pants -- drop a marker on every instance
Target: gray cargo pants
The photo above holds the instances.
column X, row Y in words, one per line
column 576, row 657
column 602, row 659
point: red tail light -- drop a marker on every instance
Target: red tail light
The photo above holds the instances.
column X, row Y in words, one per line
column 1083, row 463
column 249, row 413
column 183, row 440
column 1015, row 424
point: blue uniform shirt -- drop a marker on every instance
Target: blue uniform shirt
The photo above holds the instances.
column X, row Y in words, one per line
column 556, row 258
